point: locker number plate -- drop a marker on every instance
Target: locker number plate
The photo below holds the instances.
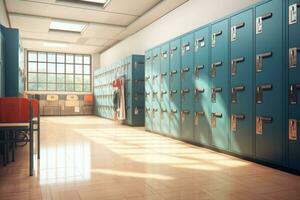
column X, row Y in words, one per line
column 293, row 124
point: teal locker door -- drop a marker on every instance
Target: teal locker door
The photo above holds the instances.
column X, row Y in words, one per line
column 164, row 91
column 148, row 90
column 2, row 87
column 187, row 89
column 220, row 84
column 202, row 86
column 269, row 82
column 128, row 87
column 242, row 83
column 294, row 84
column 156, row 90
column 175, row 101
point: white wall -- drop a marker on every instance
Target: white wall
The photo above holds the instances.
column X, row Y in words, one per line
column 189, row 16
column 3, row 15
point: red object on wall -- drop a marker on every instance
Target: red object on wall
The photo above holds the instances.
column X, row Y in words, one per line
column 88, row 98
column 117, row 83
column 14, row 110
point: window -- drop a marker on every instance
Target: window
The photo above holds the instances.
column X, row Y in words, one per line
column 48, row 71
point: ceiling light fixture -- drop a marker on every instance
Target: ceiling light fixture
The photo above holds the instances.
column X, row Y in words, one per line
column 102, row 3
column 60, row 25
column 53, row 44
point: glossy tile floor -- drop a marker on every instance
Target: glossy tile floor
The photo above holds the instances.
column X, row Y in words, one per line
column 93, row 158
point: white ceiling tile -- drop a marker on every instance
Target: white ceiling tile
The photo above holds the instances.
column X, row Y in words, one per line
column 51, row 36
column 95, row 41
column 102, row 31
column 30, row 23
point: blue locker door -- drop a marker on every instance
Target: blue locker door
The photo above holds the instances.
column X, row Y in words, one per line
column 164, row 90
column 269, row 82
column 242, row 83
column 220, row 84
column 294, row 84
column 175, row 101
column 128, row 87
column 187, row 89
column 202, row 84
column 156, row 90
column 148, row 91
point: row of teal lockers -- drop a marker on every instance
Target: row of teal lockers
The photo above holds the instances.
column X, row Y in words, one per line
column 232, row 85
column 132, row 68
column 12, row 78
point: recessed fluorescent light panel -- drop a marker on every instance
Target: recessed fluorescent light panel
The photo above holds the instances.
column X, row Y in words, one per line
column 57, row 45
column 59, row 25
column 101, row 3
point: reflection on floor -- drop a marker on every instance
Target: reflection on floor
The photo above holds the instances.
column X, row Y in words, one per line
column 93, row 158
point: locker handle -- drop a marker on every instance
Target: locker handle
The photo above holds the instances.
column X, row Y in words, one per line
column 154, row 109
column 293, row 93
column 213, row 68
column 234, row 63
column 259, row 92
column 238, row 88
column 164, row 54
column 214, row 94
column 155, row 56
column 173, row 111
column 173, row 49
column 234, row 91
column 293, row 129
column 147, row 93
column 185, row 112
column 234, row 30
column 164, row 92
column 154, row 76
column 238, row 116
column 155, row 93
column 213, row 38
column 293, row 57
column 265, row 119
column 199, row 42
column 147, row 109
column 259, row 59
column 164, row 110
column 183, row 91
column 267, row 16
column 217, row 33
column 186, row 45
column 293, row 12
column 201, row 39
column 173, row 72
column 240, row 25
column 216, row 114
column 185, row 69
column 199, row 114
column 173, row 92
column 259, row 22
column 214, row 90
column 199, row 67
column 163, row 74
column 199, row 90
column 148, row 58
column 147, row 78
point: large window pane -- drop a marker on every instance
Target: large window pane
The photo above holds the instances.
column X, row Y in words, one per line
column 69, row 87
column 60, row 58
column 78, row 78
column 60, row 68
column 51, row 68
column 69, row 79
column 32, row 86
column 86, row 79
column 87, row 60
column 51, row 78
column 78, row 87
column 42, row 78
column 78, row 59
column 87, row 69
column 32, row 77
column 51, row 57
column 87, row 88
column 32, row 56
column 78, row 69
column 42, row 67
column 51, row 87
column 42, row 57
column 61, row 87
column 70, row 58
column 60, row 78
column 32, row 67
column 69, row 69
column 42, row 86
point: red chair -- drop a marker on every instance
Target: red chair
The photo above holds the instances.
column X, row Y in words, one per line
column 16, row 114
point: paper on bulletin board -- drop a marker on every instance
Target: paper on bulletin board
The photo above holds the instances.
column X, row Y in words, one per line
column 77, row 109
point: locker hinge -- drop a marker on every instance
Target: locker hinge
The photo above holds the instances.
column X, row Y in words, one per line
column 259, row 92
column 259, row 60
column 234, row 91
column 293, row 129
column 185, row 48
column 196, row 117
column 259, row 22
column 234, row 63
column 293, row 89
column 214, row 119
column 214, row 38
column 199, row 43
column 234, row 119
column 293, row 57
column 214, row 94
column 293, row 13
column 213, row 68
column 234, row 30
column 260, row 120
column 183, row 115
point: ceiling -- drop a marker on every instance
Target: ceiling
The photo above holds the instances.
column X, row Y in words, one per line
column 105, row 26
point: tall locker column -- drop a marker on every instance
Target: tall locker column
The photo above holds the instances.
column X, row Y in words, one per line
column 156, row 90
column 148, row 90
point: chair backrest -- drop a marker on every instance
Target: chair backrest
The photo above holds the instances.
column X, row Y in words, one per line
column 15, row 110
column 35, row 106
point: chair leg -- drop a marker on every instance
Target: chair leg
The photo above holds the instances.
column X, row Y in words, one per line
column 31, row 135
column 13, row 146
column 39, row 140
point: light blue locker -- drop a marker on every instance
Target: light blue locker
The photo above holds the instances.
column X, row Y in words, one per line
column 242, row 90
column 148, row 90
column 220, row 84
column 187, row 89
column 164, row 90
column 156, row 107
column 175, row 85
column 202, row 84
column 269, row 141
column 293, row 21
